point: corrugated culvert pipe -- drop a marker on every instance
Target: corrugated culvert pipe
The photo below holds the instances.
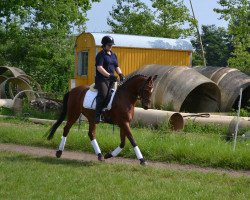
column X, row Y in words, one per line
column 11, row 71
column 2, row 78
column 157, row 117
column 230, row 81
column 181, row 89
column 12, row 86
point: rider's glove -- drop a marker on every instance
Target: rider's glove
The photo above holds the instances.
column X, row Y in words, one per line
column 122, row 77
column 112, row 78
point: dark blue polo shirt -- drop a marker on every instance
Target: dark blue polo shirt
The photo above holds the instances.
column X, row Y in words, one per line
column 109, row 63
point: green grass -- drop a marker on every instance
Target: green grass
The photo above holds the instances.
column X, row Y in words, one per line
column 27, row 177
column 28, row 111
column 198, row 145
column 6, row 111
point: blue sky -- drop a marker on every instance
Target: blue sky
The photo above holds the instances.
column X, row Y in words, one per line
column 203, row 10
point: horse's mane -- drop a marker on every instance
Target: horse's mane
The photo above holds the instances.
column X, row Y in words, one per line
column 130, row 78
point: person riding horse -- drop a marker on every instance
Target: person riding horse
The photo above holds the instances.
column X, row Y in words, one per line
column 136, row 87
column 106, row 64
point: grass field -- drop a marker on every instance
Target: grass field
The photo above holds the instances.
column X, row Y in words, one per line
column 198, row 145
column 27, row 177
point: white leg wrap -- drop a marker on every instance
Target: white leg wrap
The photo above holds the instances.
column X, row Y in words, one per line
column 138, row 153
column 96, row 146
column 62, row 144
column 116, row 151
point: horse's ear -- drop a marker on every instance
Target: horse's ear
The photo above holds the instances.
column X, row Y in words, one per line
column 155, row 77
column 149, row 79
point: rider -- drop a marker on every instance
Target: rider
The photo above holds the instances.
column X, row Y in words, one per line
column 106, row 63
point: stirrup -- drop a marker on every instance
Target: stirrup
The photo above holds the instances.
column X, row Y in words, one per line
column 98, row 119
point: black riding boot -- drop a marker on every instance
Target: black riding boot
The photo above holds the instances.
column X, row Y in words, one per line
column 98, row 110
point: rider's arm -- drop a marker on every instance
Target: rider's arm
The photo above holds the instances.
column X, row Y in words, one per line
column 102, row 71
column 118, row 70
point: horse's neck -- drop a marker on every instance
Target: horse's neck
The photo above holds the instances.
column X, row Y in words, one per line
column 135, row 84
column 132, row 87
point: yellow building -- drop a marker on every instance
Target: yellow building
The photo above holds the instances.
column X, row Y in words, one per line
column 132, row 52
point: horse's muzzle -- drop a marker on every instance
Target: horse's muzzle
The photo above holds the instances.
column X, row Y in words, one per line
column 146, row 104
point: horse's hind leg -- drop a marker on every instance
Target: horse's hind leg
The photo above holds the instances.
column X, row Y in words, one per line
column 92, row 137
column 71, row 120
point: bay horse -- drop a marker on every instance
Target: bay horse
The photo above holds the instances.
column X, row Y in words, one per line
column 121, row 113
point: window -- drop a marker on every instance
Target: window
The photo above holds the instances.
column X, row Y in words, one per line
column 83, row 63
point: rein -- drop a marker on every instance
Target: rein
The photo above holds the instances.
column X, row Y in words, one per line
column 140, row 93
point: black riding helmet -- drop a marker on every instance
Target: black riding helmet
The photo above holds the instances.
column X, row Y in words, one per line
column 107, row 40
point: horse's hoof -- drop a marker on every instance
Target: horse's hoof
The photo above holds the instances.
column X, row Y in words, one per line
column 108, row 155
column 100, row 157
column 143, row 162
column 58, row 153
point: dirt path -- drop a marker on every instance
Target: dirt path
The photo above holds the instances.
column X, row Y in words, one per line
column 81, row 156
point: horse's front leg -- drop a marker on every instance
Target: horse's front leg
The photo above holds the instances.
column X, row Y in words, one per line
column 137, row 150
column 119, row 148
column 92, row 137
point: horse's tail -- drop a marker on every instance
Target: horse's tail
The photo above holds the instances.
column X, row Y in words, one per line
column 62, row 116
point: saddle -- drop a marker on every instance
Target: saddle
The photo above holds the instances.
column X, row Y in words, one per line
column 89, row 101
column 93, row 89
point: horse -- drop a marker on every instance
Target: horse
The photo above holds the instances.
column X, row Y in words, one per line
column 137, row 87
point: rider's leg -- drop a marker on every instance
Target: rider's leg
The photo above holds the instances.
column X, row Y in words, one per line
column 102, row 88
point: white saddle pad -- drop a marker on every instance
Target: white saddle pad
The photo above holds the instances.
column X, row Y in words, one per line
column 89, row 100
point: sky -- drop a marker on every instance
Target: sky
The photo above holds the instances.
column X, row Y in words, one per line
column 203, row 11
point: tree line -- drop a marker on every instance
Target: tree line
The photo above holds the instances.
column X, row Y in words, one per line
column 38, row 36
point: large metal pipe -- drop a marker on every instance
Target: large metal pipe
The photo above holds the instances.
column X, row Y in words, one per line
column 181, row 89
column 15, row 104
column 11, row 71
column 230, row 81
column 2, row 78
column 7, row 103
column 224, row 121
column 12, row 86
column 156, row 117
column 207, row 115
column 33, row 83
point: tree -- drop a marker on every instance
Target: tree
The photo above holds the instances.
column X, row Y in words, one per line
column 237, row 13
column 53, row 14
column 170, row 18
column 217, row 45
column 36, row 36
column 165, row 18
column 131, row 17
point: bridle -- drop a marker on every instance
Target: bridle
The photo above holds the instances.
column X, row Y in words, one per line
column 141, row 94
